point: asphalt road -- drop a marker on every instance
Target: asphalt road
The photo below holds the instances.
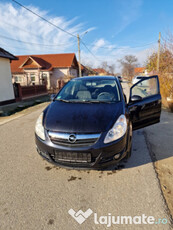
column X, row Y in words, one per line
column 37, row 195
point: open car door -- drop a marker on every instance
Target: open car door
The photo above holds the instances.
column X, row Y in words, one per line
column 145, row 102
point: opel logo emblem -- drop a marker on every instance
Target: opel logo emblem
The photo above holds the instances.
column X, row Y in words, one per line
column 72, row 138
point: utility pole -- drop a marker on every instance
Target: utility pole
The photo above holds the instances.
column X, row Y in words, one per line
column 78, row 39
column 158, row 54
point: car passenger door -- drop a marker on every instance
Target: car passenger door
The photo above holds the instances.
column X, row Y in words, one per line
column 145, row 102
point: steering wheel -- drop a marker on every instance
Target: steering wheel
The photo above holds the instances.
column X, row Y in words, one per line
column 104, row 94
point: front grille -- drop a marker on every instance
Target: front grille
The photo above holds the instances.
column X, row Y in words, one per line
column 71, row 157
column 81, row 143
column 82, row 140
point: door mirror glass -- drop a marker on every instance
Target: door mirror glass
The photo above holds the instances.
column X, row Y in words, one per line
column 146, row 87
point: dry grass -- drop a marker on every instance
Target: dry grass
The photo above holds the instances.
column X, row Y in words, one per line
column 166, row 85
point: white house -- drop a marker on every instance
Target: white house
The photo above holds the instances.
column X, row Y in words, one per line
column 6, row 86
column 45, row 68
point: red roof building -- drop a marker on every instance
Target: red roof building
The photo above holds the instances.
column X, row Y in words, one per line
column 48, row 68
column 100, row 71
column 140, row 71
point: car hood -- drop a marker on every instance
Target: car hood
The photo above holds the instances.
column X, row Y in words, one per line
column 81, row 117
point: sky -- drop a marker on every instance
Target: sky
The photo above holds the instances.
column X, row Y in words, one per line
column 110, row 29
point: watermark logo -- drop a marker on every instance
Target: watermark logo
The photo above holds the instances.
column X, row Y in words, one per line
column 80, row 216
column 110, row 219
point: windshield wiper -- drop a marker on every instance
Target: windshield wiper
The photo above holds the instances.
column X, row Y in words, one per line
column 63, row 100
column 107, row 102
column 87, row 101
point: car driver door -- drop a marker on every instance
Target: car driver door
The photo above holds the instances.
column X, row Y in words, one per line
column 145, row 102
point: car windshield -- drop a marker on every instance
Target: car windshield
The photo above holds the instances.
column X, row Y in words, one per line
column 90, row 91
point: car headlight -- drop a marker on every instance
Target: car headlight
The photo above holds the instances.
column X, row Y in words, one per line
column 39, row 129
column 117, row 131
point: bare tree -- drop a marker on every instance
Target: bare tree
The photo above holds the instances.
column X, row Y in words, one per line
column 104, row 65
column 112, row 69
column 165, row 67
column 128, row 63
column 108, row 68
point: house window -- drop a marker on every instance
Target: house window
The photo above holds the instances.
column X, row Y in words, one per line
column 18, row 79
column 44, row 78
column 32, row 76
column 44, row 75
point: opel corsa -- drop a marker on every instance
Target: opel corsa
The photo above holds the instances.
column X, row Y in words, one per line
column 89, row 122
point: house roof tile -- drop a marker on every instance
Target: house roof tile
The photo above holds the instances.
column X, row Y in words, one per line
column 100, row 70
column 46, row 61
column 139, row 69
column 6, row 54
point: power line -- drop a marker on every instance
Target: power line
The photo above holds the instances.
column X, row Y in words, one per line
column 31, row 43
column 29, row 32
column 41, row 44
column 19, row 48
column 116, row 48
column 44, row 19
column 59, row 28
column 112, row 48
column 15, row 47
column 52, row 24
column 89, row 50
column 143, row 45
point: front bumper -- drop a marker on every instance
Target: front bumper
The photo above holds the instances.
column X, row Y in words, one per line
column 102, row 155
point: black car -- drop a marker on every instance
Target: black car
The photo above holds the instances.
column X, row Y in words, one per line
column 89, row 123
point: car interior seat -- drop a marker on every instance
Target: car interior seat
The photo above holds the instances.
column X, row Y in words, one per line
column 83, row 93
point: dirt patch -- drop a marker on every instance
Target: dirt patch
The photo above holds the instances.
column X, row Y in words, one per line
column 164, row 169
column 159, row 142
column 48, row 168
column 72, row 178
column 50, row 222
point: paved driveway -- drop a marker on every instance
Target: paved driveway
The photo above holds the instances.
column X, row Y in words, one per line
column 37, row 195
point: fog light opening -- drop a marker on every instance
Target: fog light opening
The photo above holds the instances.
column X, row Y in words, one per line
column 117, row 156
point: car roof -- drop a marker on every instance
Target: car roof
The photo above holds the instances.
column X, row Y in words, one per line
column 96, row 78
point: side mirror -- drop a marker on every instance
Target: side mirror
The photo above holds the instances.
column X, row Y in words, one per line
column 135, row 98
column 52, row 96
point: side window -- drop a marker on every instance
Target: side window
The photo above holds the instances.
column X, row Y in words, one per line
column 146, row 88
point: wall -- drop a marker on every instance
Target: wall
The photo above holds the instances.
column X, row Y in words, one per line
column 52, row 77
column 26, row 75
column 73, row 72
column 29, row 73
column 23, row 80
column 58, row 73
column 6, row 86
